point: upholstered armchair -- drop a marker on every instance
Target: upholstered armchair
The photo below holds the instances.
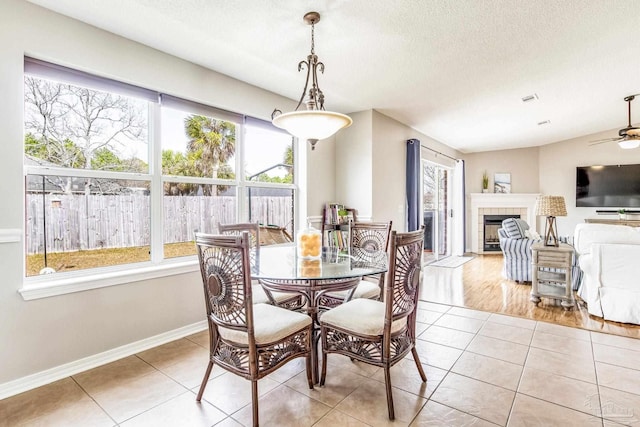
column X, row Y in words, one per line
column 516, row 240
column 517, row 256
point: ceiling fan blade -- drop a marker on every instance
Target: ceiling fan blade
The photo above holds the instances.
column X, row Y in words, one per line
column 630, row 133
column 602, row 141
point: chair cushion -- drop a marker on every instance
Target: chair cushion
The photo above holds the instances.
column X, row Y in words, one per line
column 270, row 324
column 364, row 289
column 260, row 296
column 514, row 228
column 362, row 316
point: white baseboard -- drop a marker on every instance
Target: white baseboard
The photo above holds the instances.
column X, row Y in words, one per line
column 38, row 379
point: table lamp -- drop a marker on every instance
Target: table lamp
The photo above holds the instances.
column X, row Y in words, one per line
column 551, row 207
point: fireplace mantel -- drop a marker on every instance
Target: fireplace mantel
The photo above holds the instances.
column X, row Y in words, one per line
column 498, row 203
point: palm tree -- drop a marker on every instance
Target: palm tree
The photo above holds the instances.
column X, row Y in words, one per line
column 211, row 143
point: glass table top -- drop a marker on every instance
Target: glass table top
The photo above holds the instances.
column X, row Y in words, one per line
column 281, row 262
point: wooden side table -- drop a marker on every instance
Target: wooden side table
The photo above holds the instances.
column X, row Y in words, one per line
column 552, row 284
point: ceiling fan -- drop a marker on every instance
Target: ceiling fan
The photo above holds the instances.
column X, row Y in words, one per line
column 628, row 137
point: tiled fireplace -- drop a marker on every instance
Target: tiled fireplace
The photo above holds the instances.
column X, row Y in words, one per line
column 482, row 204
column 491, row 223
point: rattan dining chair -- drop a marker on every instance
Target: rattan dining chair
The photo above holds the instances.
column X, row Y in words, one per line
column 375, row 332
column 366, row 235
column 250, row 340
column 289, row 300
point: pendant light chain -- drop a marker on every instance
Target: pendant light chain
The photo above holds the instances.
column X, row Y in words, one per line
column 313, row 40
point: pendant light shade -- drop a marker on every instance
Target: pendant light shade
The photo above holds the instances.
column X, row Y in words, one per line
column 314, row 123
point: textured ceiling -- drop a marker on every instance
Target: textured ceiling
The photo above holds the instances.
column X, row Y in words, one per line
column 455, row 70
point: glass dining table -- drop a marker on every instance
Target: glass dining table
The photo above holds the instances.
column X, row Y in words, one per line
column 279, row 269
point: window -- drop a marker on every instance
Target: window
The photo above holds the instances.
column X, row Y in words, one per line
column 94, row 196
column 198, row 172
column 269, row 175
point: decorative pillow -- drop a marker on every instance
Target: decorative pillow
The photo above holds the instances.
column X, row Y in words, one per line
column 530, row 234
column 522, row 224
column 512, row 228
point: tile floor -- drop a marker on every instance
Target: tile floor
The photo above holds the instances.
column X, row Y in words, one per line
column 483, row 369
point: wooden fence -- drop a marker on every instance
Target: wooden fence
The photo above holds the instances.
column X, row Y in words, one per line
column 81, row 222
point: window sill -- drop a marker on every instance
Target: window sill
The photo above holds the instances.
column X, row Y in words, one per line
column 42, row 287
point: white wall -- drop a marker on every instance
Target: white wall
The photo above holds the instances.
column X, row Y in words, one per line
column 41, row 334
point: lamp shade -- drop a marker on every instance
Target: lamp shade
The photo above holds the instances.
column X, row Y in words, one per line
column 550, row 206
column 313, row 125
column 629, row 143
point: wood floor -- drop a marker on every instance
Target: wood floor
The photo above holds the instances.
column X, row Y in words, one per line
column 478, row 284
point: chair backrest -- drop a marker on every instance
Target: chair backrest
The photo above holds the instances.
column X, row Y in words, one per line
column 371, row 235
column 274, row 235
column 254, row 237
column 226, row 278
column 404, row 276
column 236, row 230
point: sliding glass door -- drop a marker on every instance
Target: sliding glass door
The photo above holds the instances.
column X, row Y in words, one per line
column 436, row 207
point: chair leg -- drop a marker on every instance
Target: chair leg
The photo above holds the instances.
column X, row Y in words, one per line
column 309, row 373
column 323, row 375
column 254, row 402
column 204, row 381
column 387, row 383
column 416, row 359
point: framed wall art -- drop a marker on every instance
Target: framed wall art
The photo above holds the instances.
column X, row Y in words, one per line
column 502, row 183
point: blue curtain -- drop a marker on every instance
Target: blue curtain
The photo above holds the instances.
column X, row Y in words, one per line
column 413, row 184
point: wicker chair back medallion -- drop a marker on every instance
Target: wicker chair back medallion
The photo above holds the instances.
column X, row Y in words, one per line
column 407, row 277
column 225, row 286
column 373, row 236
column 254, row 237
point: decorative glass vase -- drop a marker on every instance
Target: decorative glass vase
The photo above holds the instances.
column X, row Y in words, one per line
column 309, row 243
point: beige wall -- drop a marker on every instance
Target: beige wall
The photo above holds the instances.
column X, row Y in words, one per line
column 548, row 169
column 45, row 333
column 558, row 171
column 521, row 163
column 321, row 179
column 41, row 334
column 370, row 166
column 389, row 165
column 353, row 154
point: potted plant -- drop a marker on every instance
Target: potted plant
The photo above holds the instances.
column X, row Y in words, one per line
column 343, row 216
column 485, row 182
column 622, row 214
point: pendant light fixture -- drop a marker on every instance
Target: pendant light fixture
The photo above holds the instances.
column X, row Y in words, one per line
column 314, row 123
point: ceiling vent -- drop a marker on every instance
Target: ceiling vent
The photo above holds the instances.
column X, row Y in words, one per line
column 530, row 98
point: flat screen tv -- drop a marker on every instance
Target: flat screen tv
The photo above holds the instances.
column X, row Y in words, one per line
column 614, row 186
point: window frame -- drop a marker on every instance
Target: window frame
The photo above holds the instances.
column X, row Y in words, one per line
column 42, row 286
